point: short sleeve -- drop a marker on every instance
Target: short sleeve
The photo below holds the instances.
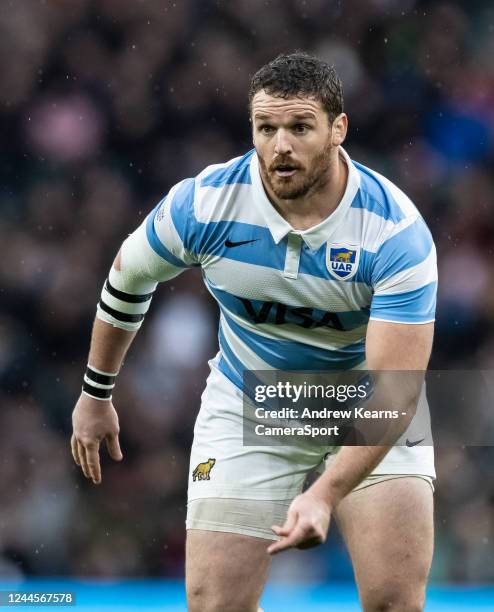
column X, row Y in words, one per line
column 404, row 276
column 170, row 226
column 154, row 252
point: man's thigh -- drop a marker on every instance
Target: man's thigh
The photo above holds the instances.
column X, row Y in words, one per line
column 388, row 529
column 225, row 572
column 235, row 494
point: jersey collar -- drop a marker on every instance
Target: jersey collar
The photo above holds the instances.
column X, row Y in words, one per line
column 317, row 235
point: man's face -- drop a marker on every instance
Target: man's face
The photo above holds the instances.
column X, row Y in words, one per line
column 295, row 144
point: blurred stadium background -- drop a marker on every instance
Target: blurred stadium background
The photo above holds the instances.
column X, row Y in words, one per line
column 104, row 105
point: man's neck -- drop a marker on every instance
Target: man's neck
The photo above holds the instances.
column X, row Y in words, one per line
column 308, row 211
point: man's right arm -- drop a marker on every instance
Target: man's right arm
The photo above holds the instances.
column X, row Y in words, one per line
column 145, row 258
column 95, row 419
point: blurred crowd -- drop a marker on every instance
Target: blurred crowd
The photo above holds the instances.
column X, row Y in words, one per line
column 104, row 105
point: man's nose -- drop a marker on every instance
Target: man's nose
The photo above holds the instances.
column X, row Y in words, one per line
column 283, row 144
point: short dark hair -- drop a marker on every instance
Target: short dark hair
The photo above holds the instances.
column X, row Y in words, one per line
column 300, row 74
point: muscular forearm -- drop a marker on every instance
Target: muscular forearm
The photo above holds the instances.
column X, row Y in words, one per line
column 350, row 466
column 396, row 392
column 400, row 353
column 94, row 418
column 109, row 345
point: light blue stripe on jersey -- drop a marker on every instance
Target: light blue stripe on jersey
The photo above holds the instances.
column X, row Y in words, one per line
column 156, row 244
column 228, row 371
column 182, row 213
column 233, row 368
column 392, row 257
column 290, row 355
column 416, row 306
column 211, row 239
column 238, row 172
column 314, row 264
column 375, row 197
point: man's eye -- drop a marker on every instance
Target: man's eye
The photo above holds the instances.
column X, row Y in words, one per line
column 301, row 128
column 266, row 129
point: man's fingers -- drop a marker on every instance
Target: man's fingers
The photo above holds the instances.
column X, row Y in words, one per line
column 73, row 446
column 311, row 542
column 298, row 535
column 81, row 452
column 113, row 446
column 92, row 458
column 289, row 524
column 89, row 461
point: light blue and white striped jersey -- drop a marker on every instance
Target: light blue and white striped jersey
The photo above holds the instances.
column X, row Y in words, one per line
column 291, row 299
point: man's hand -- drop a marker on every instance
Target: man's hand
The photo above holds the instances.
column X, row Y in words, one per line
column 92, row 421
column 306, row 524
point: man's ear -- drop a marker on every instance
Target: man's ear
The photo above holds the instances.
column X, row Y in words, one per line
column 339, row 129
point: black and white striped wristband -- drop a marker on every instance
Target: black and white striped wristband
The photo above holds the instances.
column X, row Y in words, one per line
column 98, row 384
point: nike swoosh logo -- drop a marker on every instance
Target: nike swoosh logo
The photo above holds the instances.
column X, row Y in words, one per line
column 229, row 244
column 410, row 444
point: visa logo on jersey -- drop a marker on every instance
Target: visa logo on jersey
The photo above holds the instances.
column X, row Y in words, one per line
column 342, row 262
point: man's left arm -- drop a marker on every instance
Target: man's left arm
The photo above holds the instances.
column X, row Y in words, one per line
column 399, row 338
column 389, row 346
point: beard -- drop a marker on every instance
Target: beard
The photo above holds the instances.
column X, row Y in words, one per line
column 303, row 182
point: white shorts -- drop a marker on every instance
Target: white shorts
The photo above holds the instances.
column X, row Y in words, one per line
column 222, row 467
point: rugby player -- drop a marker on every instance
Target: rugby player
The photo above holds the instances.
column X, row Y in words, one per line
column 267, row 230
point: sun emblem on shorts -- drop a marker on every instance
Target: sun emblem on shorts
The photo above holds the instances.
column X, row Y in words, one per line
column 203, row 470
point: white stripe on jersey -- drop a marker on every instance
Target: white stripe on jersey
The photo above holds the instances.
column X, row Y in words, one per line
column 249, row 359
column 234, row 203
column 309, row 291
column 402, row 200
column 395, row 229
